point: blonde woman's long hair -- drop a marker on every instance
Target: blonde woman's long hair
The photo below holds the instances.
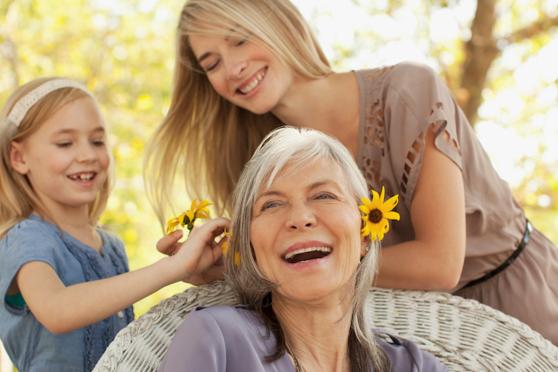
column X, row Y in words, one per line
column 204, row 140
column 17, row 197
column 296, row 147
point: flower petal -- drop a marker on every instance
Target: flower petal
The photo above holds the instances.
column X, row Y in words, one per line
column 381, row 235
column 203, row 213
column 375, row 197
column 385, row 226
column 391, row 203
column 171, row 225
column 392, row 215
column 364, row 209
column 204, row 204
column 225, row 248
column 237, row 258
column 194, row 205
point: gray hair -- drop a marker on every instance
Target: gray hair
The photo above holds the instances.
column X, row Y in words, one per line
column 295, row 147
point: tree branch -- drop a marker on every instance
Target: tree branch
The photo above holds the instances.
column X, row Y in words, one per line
column 539, row 26
column 480, row 51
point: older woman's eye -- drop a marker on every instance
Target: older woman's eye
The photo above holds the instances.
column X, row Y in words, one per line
column 325, row 195
column 269, row 204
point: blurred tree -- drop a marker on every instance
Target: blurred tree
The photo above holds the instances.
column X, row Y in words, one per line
column 493, row 27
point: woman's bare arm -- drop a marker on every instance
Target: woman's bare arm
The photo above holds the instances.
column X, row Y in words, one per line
column 434, row 260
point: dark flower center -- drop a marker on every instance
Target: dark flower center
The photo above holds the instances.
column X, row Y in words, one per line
column 375, row 216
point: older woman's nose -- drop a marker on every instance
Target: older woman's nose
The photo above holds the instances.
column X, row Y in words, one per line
column 301, row 218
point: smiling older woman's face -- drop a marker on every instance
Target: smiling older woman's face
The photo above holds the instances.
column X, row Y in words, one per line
column 305, row 231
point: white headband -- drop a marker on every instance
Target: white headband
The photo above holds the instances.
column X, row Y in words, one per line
column 23, row 105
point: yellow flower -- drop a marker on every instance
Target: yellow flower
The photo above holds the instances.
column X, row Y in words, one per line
column 377, row 213
column 237, row 258
column 173, row 223
column 225, row 247
column 198, row 209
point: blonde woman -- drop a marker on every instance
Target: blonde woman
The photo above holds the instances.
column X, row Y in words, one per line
column 245, row 67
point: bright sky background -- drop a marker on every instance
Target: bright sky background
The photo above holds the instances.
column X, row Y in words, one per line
column 340, row 22
column 405, row 35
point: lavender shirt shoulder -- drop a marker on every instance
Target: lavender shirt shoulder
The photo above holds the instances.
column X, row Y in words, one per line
column 225, row 338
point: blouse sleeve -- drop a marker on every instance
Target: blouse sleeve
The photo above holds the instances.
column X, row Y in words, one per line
column 405, row 355
column 198, row 345
column 416, row 99
column 26, row 242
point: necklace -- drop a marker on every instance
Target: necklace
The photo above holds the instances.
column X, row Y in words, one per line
column 298, row 367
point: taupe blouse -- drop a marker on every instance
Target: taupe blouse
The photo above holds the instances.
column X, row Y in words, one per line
column 397, row 105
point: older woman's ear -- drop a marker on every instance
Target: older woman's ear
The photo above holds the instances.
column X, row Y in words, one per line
column 364, row 245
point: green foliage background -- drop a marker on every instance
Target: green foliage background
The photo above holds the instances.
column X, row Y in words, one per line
column 124, row 52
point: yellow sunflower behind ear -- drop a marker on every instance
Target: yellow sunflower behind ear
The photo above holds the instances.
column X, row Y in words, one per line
column 377, row 213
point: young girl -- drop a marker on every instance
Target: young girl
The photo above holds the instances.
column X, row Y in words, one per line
column 244, row 67
column 64, row 283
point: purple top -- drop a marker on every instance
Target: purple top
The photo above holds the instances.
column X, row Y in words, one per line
column 231, row 339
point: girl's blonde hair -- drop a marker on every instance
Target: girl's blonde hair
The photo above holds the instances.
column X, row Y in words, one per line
column 17, row 197
column 204, row 140
column 296, row 147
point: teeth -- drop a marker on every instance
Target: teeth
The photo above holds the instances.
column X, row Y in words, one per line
column 254, row 83
column 82, row 176
column 304, row 250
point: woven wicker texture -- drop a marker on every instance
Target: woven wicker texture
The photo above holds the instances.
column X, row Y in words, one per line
column 464, row 334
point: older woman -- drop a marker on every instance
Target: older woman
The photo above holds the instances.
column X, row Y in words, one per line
column 301, row 268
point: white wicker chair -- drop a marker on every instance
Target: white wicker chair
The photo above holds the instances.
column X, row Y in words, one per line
column 464, row 334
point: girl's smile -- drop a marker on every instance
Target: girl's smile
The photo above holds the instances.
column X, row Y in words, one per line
column 66, row 159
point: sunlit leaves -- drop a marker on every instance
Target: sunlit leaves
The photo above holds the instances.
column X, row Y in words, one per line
column 123, row 51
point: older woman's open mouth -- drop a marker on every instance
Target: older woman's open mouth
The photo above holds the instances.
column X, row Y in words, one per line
column 300, row 254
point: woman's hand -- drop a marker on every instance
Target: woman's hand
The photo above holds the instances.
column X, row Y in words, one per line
column 198, row 259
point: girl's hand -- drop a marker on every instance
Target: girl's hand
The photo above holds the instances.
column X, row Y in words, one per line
column 198, row 259
column 169, row 244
